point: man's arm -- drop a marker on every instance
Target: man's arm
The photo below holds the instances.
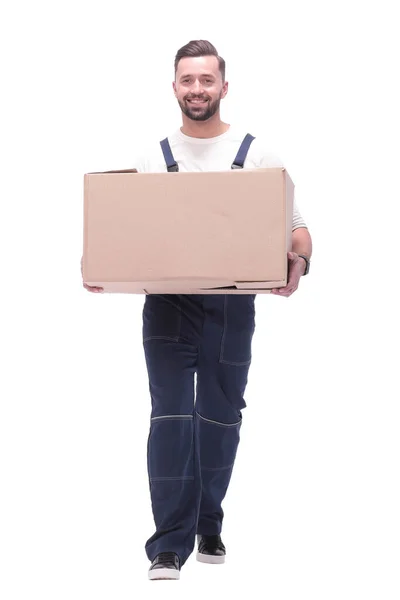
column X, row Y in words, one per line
column 301, row 244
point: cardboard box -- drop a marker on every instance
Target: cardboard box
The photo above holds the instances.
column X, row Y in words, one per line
column 223, row 232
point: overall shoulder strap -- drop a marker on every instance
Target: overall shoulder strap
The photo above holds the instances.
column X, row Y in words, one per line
column 242, row 153
column 172, row 165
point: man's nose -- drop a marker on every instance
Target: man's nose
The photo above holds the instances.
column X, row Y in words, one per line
column 196, row 87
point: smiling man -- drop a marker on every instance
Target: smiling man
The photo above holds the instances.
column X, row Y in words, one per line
column 193, row 438
column 198, row 97
column 194, row 434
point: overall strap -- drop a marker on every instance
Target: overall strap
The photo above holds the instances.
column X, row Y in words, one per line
column 242, row 153
column 238, row 163
column 172, row 165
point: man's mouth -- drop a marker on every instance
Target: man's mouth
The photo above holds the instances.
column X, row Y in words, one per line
column 196, row 101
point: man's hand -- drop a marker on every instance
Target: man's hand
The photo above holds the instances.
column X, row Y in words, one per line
column 297, row 267
column 90, row 288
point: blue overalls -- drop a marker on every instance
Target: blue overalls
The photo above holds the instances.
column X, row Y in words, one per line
column 193, row 439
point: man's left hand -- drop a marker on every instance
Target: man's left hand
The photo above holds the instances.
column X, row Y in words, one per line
column 297, row 267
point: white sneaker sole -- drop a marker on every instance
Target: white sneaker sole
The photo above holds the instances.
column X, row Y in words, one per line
column 155, row 574
column 210, row 559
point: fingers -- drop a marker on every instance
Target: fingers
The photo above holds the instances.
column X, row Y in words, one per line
column 288, row 292
column 93, row 288
column 285, row 291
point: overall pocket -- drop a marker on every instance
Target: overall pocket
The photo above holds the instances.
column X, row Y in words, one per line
column 239, row 327
column 162, row 317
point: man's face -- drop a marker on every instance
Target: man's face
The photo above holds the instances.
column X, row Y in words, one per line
column 198, row 87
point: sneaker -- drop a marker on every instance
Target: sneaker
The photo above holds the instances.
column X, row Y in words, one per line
column 211, row 549
column 165, row 566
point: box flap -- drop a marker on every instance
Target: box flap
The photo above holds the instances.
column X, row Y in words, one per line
column 107, row 172
column 243, row 285
column 246, row 285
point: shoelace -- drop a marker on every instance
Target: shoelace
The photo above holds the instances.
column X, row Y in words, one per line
column 166, row 557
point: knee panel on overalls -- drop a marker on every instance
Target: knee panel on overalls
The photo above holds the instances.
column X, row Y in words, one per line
column 170, row 448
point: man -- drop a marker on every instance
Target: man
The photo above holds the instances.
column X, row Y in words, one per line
column 193, row 438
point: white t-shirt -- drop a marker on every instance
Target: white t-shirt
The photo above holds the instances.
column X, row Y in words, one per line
column 211, row 154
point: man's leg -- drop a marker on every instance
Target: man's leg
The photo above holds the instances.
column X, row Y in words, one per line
column 224, row 362
column 170, row 333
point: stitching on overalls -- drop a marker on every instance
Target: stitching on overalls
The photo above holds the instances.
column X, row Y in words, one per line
column 236, row 364
column 218, row 423
column 224, row 331
column 172, row 478
column 172, row 417
column 161, row 337
column 217, row 468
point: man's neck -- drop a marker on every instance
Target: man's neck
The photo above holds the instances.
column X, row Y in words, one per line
column 203, row 129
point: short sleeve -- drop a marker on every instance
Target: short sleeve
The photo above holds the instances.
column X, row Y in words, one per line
column 298, row 220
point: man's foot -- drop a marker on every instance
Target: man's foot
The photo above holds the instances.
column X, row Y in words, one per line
column 165, row 566
column 211, row 549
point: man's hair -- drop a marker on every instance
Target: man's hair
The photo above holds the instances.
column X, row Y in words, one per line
column 200, row 48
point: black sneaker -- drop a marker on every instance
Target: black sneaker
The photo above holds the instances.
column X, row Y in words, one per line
column 211, row 549
column 165, row 566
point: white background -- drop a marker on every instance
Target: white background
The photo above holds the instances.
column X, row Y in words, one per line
column 312, row 510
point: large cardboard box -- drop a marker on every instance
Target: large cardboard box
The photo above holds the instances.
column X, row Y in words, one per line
column 224, row 232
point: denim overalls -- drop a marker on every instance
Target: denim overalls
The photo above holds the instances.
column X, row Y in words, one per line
column 193, row 439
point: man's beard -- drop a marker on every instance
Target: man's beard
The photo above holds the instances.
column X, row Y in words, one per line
column 196, row 114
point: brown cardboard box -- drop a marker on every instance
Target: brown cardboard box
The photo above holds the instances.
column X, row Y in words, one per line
column 224, row 232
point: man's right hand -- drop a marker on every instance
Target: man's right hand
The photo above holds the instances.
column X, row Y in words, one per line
column 90, row 288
